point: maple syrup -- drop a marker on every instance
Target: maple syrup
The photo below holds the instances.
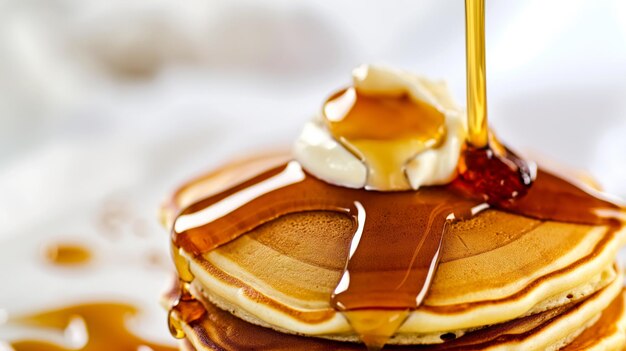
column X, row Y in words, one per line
column 104, row 327
column 486, row 168
column 66, row 254
column 478, row 132
column 183, row 306
column 384, row 132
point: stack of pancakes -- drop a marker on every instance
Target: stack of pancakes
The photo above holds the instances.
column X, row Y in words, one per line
column 504, row 282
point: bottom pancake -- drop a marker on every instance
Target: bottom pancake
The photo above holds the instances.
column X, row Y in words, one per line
column 598, row 322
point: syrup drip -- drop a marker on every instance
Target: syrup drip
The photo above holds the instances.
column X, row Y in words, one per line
column 478, row 132
column 505, row 182
column 61, row 254
column 227, row 332
column 376, row 327
column 104, row 326
column 183, row 306
column 384, row 132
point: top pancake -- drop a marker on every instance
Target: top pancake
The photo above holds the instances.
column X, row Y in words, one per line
column 494, row 267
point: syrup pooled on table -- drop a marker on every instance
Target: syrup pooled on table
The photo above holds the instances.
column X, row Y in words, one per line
column 66, row 254
column 104, row 328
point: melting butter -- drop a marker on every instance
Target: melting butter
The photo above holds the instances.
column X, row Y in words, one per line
column 384, row 131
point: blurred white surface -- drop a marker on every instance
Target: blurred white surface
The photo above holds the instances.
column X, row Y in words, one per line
column 114, row 103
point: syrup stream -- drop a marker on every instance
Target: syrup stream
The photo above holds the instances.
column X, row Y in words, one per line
column 476, row 73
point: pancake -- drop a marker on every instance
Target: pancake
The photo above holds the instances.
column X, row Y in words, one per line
column 596, row 323
column 494, row 268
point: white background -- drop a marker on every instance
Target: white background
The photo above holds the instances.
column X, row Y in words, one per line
column 105, row 106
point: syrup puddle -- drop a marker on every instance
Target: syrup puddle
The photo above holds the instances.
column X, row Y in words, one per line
column 66, row 254
column 86, row 327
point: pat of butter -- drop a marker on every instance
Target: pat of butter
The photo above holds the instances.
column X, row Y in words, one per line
column 325, row 157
